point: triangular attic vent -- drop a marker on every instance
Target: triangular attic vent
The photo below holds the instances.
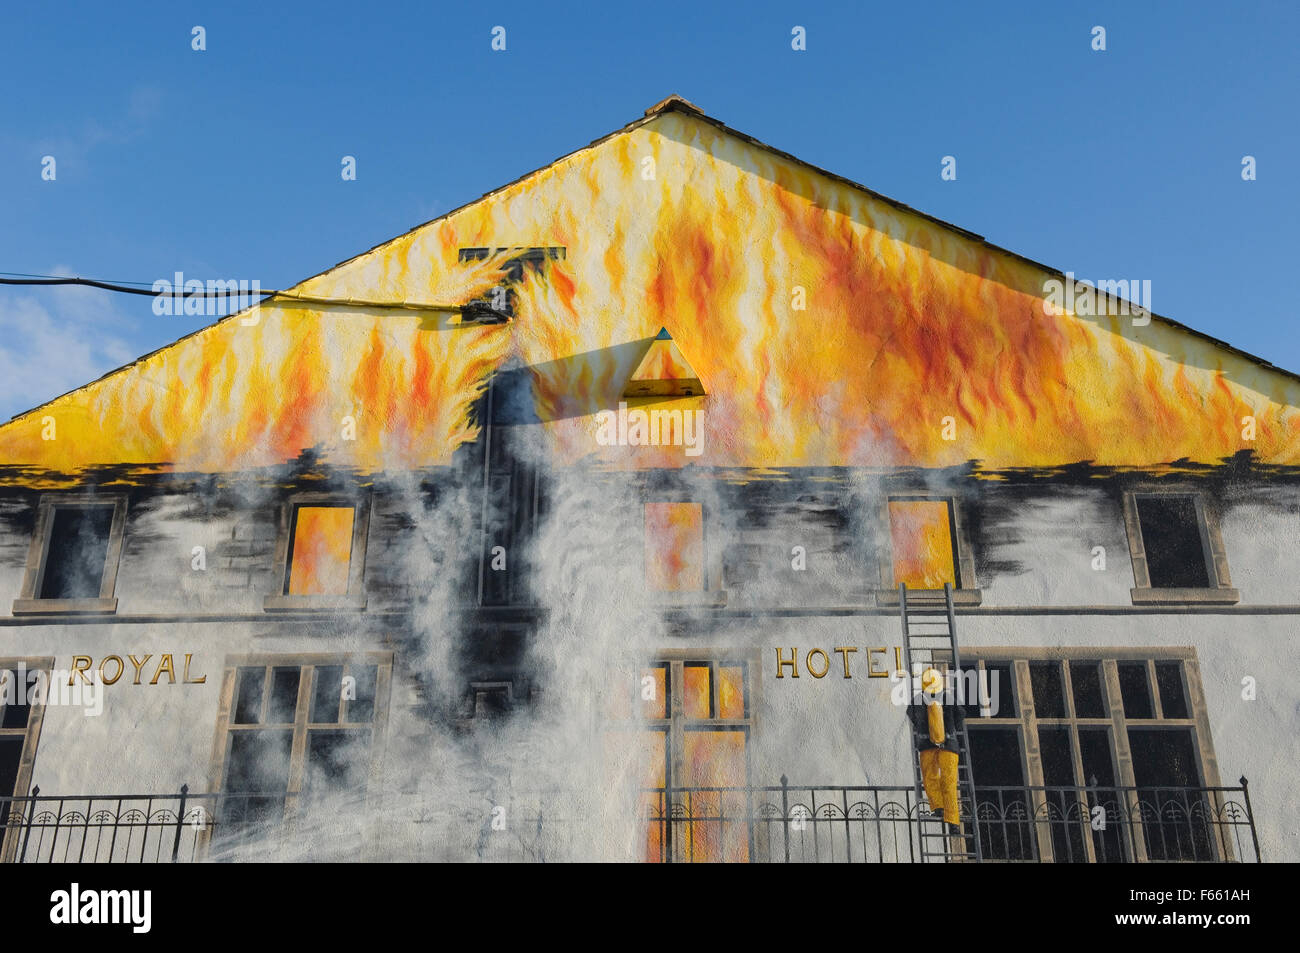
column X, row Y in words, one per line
column 663, row 372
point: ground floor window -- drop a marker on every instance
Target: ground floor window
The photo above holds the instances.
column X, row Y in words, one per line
column 683, row 723
column 1084, row 755
column 23, row 684
column 294, row 733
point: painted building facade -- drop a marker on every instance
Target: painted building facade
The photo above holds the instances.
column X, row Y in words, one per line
column 572, row 525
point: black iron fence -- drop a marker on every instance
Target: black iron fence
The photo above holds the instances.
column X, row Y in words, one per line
column 773, row 824
column 128, row 828
column 1117, row 824
column 140, row 828
column 784, row 824
column 876, row 824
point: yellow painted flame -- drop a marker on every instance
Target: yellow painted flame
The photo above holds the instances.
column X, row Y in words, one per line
column 916, row 345
column 322, row 551
column 921, row 534
column 674, row 546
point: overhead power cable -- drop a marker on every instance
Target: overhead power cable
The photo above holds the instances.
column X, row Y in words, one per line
column 479, row 308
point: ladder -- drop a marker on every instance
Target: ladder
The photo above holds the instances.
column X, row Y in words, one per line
column 930, row 640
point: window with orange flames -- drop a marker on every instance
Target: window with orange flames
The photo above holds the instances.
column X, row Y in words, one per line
column 681, row 730
column 921, row 535
column 674, row 547
column 320, row 557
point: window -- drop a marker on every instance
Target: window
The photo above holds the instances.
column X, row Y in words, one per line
column 22, row 708
column 293, row 733
column 679, row 734
column 73, row 558
column 679, row 566
column 1177, row 549
column 1127, row 734
column 491, row 699
column 998, row 772
column 513, row 507
column 1171, row 537
column 504, row 299
column 926, row 548
column 920, row 535
column 321, row 553
column 674, row 547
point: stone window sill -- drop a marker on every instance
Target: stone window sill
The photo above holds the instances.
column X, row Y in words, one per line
column 1174, row 597
column 64, row 606
column 313, row 603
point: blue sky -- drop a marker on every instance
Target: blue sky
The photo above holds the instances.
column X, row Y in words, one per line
column 225, row 163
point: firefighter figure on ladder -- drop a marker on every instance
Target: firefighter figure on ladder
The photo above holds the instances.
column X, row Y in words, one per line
column 933, row 724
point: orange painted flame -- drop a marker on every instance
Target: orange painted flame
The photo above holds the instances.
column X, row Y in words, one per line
column 715, row 759
column 696, row 691
column 674, row 546
column 322, row 551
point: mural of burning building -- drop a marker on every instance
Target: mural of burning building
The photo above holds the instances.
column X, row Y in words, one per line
column 579, row 523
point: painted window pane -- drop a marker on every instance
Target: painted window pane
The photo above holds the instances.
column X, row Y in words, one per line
column 715, row 758
column 11, row 750
column 968, row 684
column 257, row 775
column 248, row 696
column 697, row 702
column 674, row 546
column 1002, row 807
column 1002, row 689
column 1049, row 694
column 1085, row 678
column 1057, row 757
column 1164, row 757
column 1169, row 680
column 1095, row 750
column 717, row 830
column 1171, row 536
column 322, row 551
column 15, row 700
column 731, row 691
column 284, row 696
column 74, row 565
column 656, row 706
column 629, row 695
column 361, row 708
column 1134, row 690
column 329, row 692
column 336, row 761
column 921, row 532
column 1099, row 771
column 259, row 761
